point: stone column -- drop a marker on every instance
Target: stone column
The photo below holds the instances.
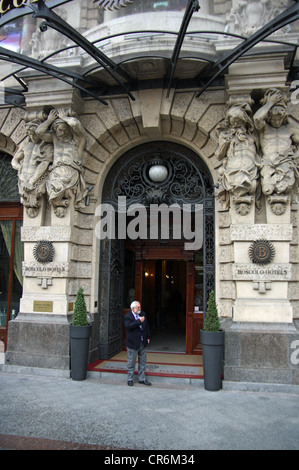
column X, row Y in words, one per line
column 261, row 332
column 54, row 264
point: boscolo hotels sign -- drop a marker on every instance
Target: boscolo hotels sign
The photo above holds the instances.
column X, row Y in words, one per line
column 8, row 5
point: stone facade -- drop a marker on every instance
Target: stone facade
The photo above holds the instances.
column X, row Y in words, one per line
column 258, row 304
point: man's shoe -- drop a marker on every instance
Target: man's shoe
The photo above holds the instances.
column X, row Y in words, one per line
column 145, row 382
column 130, row 383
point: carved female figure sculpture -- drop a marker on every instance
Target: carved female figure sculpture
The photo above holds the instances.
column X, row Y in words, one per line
column 237, row 149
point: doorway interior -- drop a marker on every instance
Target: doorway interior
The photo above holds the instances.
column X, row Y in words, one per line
column 168, row 281
column 164, row 301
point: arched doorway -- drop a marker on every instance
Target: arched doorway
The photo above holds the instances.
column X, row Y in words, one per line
column 154, row 262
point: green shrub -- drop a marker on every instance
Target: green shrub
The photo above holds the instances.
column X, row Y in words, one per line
column 80, row 312
column 212, row 322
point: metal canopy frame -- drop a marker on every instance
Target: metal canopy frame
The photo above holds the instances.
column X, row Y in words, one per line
column 54, row 21
column 192, row 6
column 125, row 83
column 56, row 72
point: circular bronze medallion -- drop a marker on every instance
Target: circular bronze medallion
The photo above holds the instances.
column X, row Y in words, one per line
column 43, row 252
column 261, row 252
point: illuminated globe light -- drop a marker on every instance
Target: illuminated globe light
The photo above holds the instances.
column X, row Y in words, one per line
column 158, row 173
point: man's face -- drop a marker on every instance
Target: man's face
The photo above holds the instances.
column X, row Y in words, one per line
column 33, row 137
column 277, row 116
column 63, row 133
column 137, row 309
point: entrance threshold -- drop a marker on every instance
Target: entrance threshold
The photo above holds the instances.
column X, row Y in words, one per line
column 161, row 366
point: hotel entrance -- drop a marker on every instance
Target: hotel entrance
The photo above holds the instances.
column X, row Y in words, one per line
column 170, row 278
column 169, row 283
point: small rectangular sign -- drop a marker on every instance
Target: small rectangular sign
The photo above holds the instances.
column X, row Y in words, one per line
column 42, row 306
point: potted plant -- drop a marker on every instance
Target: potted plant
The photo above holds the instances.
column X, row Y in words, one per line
column 80, row 332
column 212, row 340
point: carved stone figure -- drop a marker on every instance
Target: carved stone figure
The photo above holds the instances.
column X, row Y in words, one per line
column 65, row 179
column 45, row 40
column 237, row 149
column 32, row 161
column 247, row 16
column 279, row 141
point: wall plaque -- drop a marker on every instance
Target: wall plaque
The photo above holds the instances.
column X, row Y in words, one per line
column 43, row 251
column 261, row 252
column 42, row 306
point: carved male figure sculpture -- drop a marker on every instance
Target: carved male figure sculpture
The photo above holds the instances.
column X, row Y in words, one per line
column 32, row 161
column 237, row 149
column 279, row 141
column 67, row 135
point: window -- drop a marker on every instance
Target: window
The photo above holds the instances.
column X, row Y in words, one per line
column 11, row 247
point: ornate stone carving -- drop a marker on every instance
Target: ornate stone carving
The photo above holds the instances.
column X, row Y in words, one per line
column 279, row 145
column 45, row 40
column 32, row 162
column 247, row 16
column 50, row 161
column 237, row 149
column 112, row 4
column 67, row 135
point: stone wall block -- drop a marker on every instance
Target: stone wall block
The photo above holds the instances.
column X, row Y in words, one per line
column 213, row 115
column 94, row 125
column 12, row 121
column 92, row 163
column 3, row 115
column 123, row 110
column 19, row 133
column 180, row 105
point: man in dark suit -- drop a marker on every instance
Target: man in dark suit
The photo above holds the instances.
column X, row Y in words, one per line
column 138, row 337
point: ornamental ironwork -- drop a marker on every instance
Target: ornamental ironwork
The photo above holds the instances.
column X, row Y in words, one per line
column 261, row 252
column 186, row 180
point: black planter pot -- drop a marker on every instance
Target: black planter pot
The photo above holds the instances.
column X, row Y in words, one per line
column 80, row 336
column 212, row 352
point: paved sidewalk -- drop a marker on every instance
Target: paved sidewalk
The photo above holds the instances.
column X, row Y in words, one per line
column 58, row 413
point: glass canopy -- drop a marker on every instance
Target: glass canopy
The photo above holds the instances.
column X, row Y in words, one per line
column 99, row 45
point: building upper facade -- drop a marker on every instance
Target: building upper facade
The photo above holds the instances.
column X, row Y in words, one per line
column 148, row 40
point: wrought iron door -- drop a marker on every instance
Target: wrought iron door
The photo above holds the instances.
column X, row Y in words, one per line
column 188, row 181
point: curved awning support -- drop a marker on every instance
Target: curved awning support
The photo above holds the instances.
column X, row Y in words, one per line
column 192, row 6
column 61, row 74
column 54, row 21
